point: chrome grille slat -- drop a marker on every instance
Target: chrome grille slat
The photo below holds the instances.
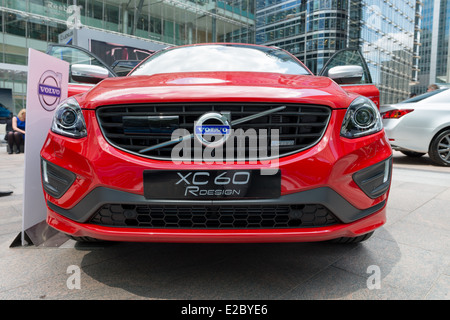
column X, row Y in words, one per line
column 303, row 125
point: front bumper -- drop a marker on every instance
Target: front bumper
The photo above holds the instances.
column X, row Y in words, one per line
column 337, row 174
column 312, row 234
column 90, row 208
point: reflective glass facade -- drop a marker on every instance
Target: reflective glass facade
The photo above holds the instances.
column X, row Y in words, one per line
column 36, row 23
column 311, row 30
column 434, row 63
column 385, row 34
column 314, row 29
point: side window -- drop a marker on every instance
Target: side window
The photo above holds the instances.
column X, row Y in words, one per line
column 348, row 57
column 440, row 98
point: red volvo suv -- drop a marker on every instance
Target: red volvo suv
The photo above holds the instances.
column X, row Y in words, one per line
column 220, row 143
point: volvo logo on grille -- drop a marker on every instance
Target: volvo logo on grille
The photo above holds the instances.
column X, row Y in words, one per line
column 212, row 129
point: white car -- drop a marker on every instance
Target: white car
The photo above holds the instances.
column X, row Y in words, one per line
column 420, row 125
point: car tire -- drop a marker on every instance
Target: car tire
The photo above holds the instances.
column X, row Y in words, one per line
column 348, row 240
column 412, row 154
column 440, row 149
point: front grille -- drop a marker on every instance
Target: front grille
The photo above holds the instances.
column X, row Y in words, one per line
column 134, row 127
column 213, row 217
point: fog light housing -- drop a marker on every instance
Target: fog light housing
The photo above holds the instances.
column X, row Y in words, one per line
column 376, row 179
column 56, row 180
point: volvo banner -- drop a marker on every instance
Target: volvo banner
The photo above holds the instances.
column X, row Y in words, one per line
column 47, row 84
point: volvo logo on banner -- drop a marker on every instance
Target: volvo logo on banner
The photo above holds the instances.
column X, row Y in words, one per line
column 49, row 89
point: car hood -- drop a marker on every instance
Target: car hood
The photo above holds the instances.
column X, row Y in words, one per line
column 216, row 86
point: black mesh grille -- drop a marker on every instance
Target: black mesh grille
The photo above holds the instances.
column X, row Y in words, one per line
column 300, row 126
column 213, row 217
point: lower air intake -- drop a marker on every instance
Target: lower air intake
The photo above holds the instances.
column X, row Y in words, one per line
column 213, row 217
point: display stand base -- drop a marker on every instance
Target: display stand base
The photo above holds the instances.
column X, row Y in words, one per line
column 5, row 193
column 40, row 235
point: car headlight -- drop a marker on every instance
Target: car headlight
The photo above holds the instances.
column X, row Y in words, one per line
column 68, row 120
column 362, row 118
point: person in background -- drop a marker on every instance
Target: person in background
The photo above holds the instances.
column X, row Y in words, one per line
column 432, row 87
column 18, row 131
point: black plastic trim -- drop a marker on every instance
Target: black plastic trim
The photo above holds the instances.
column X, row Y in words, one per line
column 370, row 179
column 325, row 196
column 60, row 179
column 266, row 104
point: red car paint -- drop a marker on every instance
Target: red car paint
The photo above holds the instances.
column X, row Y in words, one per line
column 367, row 90
column 75, row 88
column 330, row 163
column 222, row 86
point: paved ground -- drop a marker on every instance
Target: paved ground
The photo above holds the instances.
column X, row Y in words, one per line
column 408, row 258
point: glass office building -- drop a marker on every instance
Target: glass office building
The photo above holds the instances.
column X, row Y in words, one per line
column 386, row 36
column 314, row 29
column 434, row 51
column 36, row 23
column 311, row 30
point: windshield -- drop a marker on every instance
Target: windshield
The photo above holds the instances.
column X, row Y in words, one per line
column 424, row 96
column 218, row 57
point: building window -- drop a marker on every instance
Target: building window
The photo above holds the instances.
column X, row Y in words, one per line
column 15, row 24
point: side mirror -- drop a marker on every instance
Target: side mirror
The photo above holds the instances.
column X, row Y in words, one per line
column 346, row 74
column 85, row 73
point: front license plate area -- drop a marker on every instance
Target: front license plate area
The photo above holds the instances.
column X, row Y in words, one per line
column 210, row 184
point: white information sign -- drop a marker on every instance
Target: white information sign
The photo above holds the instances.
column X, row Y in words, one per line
column 47, row 84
